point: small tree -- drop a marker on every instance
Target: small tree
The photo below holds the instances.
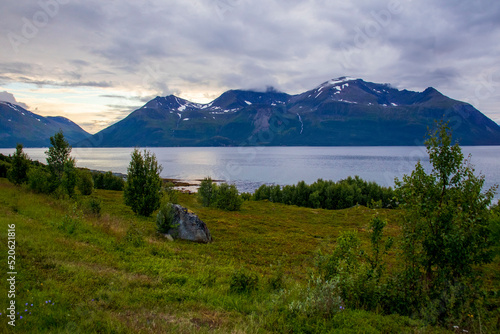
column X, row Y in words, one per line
column 61, row 165
column 445, row 226
column 143, row 187
column 165, row 218
column 207, row 192
column 18, row 172
column 228, row 198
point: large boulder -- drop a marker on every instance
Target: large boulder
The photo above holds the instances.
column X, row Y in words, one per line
column 187, row 226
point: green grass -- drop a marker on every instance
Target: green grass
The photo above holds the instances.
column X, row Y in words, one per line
column 114, row 274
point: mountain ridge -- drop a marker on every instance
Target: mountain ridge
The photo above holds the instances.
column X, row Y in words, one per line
column 18, row 125
column 340, row 112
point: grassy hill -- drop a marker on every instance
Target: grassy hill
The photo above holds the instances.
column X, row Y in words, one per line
column 80, row 273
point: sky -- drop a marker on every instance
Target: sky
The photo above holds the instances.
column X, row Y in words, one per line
column 95, row 61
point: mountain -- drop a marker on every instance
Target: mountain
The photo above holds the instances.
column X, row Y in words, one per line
column 339, row 112
column 18, row 125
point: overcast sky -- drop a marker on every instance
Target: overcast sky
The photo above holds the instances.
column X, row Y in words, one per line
column 95, row 61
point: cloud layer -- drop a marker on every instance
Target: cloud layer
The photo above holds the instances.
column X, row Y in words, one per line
column 200, row 48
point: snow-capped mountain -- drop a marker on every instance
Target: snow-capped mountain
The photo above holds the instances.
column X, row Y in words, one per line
column 339, row 112
column 18, row 125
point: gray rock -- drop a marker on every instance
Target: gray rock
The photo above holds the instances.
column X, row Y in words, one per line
column 187, row 226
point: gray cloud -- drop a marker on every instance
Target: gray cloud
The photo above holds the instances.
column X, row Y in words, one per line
column 8, row 97
column 177, row 47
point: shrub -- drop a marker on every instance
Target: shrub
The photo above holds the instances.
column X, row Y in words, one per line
column 4, row 167
column 38, row 180
column 320, row 299
column 69, row 178
column 134, row 236
column 276, row 282
column 18, row 172
column 107, row 181
column 445, row 230
column 85, row 183
column 328, row 194
column 227, row 197
column 61, row 165
column 165, row 218
column 246, row 196
column 94, row 206
column 243, row 282
column 224, row 196
column 207, row 192
column 143, row 187
column 170, row 195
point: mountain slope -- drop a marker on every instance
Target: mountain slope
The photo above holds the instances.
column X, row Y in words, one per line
column 339, row 112
column 18, row 125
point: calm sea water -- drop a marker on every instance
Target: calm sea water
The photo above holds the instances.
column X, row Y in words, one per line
column 249, row 167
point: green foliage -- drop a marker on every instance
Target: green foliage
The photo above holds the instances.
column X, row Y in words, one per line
column 143, row 187
column 224, row 196
column 18, row 172
column 207, row 192
column 445, row 230
column 276, row 281
column 165, row 218
column 379, row 247
column 58, row 155
column 170, row 195
column 61, row 165
column 134, row 236
column 85, row 183
column 320, row 299
column 4, row 168
column 243, row 282
column 93, row 206
column 495, row 228
column 328, row 194
column 227, row 197
column 107, row 181
column 246, row 196
column 39, row 180
column 69, row 179
column 359, row 273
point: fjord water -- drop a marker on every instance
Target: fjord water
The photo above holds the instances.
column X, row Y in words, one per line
column 249, row 167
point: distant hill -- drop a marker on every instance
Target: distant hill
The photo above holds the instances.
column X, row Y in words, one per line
column 18, row 125
column 339, row 112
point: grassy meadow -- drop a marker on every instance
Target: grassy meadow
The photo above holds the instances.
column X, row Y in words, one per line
column 112, row 273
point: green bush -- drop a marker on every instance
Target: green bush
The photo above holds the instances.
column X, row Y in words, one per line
column 246, row 196
column 85, row 183
column 61, row 165
column 320, row 299
column 93, row 206
column 143, row 187
column 227, row 197
column 276, row 281
column 134, row 236
column 39, row 180
column 445, row 231
column 4, row 167
column 165, row 218
column 207, row 192
column 170, row 195
column 107, row 181
column 328, row 194
column 18, row 172
column 224, row 196
column 243, row 282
